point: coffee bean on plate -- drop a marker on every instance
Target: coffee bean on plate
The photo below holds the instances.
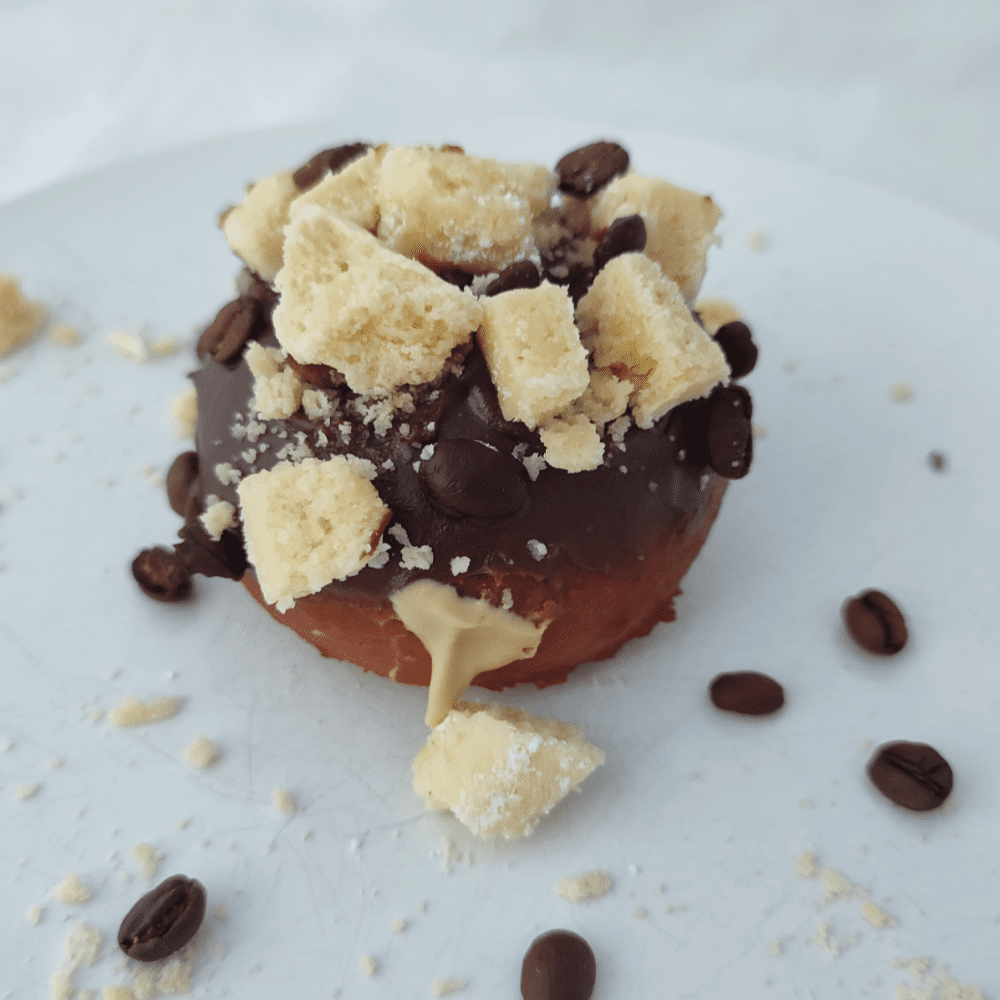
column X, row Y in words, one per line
column 875, row 622
column 737, row 344
column 589, row 168
column 164, row 920
column 182, row 474
column 465, row 478
column 747, row 692
column 913, row 775
column 161, row 574
column 559, row 965
column 624, row 235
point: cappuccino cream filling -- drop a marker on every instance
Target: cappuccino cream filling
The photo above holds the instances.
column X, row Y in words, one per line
column 464, row 637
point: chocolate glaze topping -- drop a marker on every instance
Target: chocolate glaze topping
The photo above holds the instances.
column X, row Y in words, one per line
column 470, row 495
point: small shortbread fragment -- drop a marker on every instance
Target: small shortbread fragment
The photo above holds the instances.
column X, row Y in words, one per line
column 65, row 335
column 715, row 312
column 283, row 802
column 349, row 192
column 217, row 518
column 20, row 318
column 460, row 565
column 367, row 964
column 572, row 443
column 26, row 791
column 129, row 346
column 147, row 858
column 81, row 947
column 380, row 319
column 132, row 711
column 605, row 398
column 184, row 411
column 459, row 209
column 445, row 987
column 533, row 350
column 254, row 227
column 876, row 916
column 201, row 752
column 309, row 524
column 117, row 993
column 71, row 890
column 501, row 769
column 591, row 884
column 633, row 316
column 680, row 224
column 34, row 914
column 277, row 389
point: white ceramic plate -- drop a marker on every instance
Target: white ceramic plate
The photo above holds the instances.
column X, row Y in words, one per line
column 698, row 817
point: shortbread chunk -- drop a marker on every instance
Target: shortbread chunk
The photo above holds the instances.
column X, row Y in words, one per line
column 680, row 224
column 378, row 318
column 533, row 350
column 471, row 211
column 277, row 389
column 606, row 397
column 20, row 318
column 349, row 192
column 309, row 524
column 572, row 442
column 636, row 317
column 254, row 227
column 500, row 769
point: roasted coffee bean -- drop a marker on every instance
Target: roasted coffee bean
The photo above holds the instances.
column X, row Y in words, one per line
column 328, row 159
column 747, row 692
column 737, row 344
column 162, row 575
column 588, row 169
column 875, row 622
column 624, row 235
column 467, row 479
column 729, row 433
column 937, row 461
column 522, row 274
column 456, row 276
column 687, row 433
column 913, row 775
column 183, row 472
column 559, row 965
column 200, row 554
column 232, row 327
column 164, row 920
column 322, row 376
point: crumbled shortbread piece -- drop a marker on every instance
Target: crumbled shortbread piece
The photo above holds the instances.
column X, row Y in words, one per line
column 461, row 209
column 254, row 429
column 34, row 914
column 618, row 430
column 534, row 464
column 606, row 396
column 65, row 335
column 378, row 318
column 133, row 711
column 309, row 524
column 201, row 752
column 227, row 473
column 533, row 350
column 400, row 534
column 460, row 565
column 381, row 557
column 363, row 466
column 680, row 224
column 507, row 600
column 217, row 518
column 537, row 549
column 72, row 891
column 589, row 885
column 445, row 987
column 572, row 443
column 277, row 389
column 254, row 227
column 184, row 411
column 876, row 916
column 283, row 802
column 26, row 791
column 350, row 192
column 20, row 318
column 249, row 456
column 148, row 859
column 511, row 770
column 317, row 404
column 367, row 965
column 417, row 557
column 715, row 312
column 129, row 346
column 636, row 317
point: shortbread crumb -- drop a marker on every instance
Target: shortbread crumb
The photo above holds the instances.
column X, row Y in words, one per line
column 20, row 317
column 132, row 711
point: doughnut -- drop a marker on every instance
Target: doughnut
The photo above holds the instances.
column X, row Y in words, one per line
column 462, row 422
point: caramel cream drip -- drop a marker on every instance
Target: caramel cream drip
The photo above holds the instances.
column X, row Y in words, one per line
column 464, row 637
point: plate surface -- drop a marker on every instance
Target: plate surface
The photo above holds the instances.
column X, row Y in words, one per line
column 698, row 817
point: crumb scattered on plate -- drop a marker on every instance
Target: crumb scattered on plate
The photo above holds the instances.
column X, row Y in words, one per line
column 71, row 890
column 589, row 885
column 133, row 711
column 201, row 752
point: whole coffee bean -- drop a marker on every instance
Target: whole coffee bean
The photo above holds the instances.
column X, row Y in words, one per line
column 559, row 965
column 729, row 433
column 687, row 433
column 456, row 276
column 232, row 327
column 875, row 622
column 737, row 344
column 589, row 168
column 164, row 920
column 913, row 775
column 521, row 274
column 183, row 472
column 466, row 478
column 747, row 692
column 624, row 235
column 328, row 159
column 162, row 575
